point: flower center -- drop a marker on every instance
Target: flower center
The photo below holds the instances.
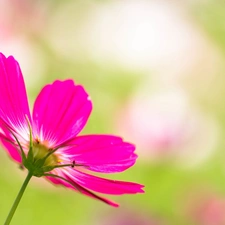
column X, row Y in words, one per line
column 40, row 151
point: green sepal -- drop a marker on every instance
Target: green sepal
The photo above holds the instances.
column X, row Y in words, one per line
column 39, row 172
column 48, row 168
column 21, row 149
column 39, row 163
column 30, row 155
column 28, row 165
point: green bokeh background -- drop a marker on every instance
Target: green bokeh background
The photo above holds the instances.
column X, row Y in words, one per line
column 168, row 187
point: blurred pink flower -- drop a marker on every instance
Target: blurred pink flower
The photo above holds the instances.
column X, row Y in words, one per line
column 20, row 22
column 165, row 125
column 47, row 144
column 18, row 17
column 208, row 210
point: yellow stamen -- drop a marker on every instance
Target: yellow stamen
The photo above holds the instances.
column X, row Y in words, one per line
column 41, row 150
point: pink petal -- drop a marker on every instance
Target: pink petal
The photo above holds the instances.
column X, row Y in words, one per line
column 102, row 153
column 103, row 185
column 13, row 98
column 80, row 189
column 61, row 110
column 13, row 152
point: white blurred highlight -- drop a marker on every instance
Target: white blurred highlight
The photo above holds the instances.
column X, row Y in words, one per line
column 146, row 35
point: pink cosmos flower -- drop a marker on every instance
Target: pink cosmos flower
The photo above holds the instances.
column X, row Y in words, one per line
column 207, row 208
column 169, row 128
column 46, row 142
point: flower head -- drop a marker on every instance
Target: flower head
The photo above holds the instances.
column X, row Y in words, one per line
column 46, row 142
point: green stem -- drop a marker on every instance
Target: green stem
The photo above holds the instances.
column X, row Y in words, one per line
column 18, row 198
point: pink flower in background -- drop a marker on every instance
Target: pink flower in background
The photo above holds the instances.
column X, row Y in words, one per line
column 211, row 212
column 207, row 209
column 20, row 22
column 166, row 126
column 46, row 142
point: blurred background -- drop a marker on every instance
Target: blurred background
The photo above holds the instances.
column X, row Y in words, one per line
column 156, row 74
